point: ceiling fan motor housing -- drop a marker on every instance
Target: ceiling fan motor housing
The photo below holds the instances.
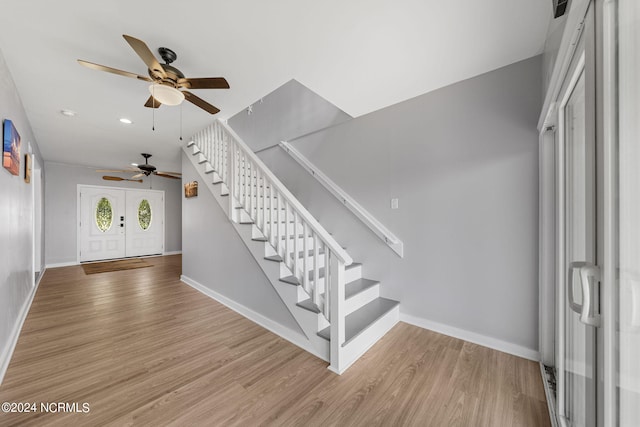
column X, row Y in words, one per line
column 146, row 168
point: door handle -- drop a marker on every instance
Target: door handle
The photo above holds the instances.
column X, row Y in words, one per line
column 586, row 310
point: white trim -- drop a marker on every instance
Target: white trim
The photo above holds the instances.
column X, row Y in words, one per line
column 349, row 202
column 473, row 337
column 172, row 253
column 7, row 352
column 282, row 331
column 62, row 264
column 610, row 262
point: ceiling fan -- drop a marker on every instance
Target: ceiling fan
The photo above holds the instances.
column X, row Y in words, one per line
column 168, row 83
column 141, row 170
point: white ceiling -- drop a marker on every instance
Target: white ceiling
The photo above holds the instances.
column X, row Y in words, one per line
column 359, row 55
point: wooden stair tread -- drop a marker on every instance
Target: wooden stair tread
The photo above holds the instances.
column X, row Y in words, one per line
column 361, row 319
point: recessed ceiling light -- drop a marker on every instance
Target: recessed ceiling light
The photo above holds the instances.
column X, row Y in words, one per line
column 68, row 113
column 125, row 121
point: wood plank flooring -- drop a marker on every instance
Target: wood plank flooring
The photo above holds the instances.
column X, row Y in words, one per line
column 142, row 348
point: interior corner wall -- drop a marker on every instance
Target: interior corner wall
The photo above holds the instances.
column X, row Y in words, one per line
column 61, row 209
column 16, row 216
column 214, row 255
column 290, row 111
column 463, row 162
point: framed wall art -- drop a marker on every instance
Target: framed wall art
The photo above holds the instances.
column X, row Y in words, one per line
column 11, row 148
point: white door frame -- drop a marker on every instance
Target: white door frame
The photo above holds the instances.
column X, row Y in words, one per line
column 79, row 188
column 606, row 64
column 37, row 204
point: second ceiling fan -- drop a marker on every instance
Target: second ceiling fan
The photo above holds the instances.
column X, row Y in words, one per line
column 168, row 83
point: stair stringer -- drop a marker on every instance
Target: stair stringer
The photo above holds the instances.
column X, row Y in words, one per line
column 309, row 322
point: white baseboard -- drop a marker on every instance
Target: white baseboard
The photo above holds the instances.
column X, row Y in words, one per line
column 7, row 352
column 284, row 332
column 483, row 340
column 62, row 264
column 172, row 253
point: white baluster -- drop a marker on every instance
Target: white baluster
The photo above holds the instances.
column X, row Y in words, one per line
column 327, row 273
column 305, row 255
column 287, row 235
column 316, row 269
column 265, row 218
column 296, row 246
column 278, row 233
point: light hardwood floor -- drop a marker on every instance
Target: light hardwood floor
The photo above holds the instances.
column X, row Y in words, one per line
column 142, row 348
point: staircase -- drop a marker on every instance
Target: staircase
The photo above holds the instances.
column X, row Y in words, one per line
column 340, row 312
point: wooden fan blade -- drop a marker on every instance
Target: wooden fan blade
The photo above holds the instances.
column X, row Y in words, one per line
column 170, row 173
column 117, row 178
column 204, row 83
column 200, row 102
column 145, row 54
column 140, row 175
column 113, row 70
column 164, row 175
column 152, row 103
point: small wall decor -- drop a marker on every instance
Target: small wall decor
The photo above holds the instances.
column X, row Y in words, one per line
column 27, row 168
column 191, row 189
column 11, row 148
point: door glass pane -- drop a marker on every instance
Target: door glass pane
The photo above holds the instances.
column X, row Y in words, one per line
column 579, row 387
column 104, row 214
column 144, row 214
column 628, row 329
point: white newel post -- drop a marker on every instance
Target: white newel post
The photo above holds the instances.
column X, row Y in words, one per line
column 336, row 276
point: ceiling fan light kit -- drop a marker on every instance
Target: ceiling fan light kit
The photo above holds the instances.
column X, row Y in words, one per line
column 166, row 95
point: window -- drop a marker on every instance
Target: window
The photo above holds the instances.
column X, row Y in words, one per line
column 104, row 215
column 144, row 214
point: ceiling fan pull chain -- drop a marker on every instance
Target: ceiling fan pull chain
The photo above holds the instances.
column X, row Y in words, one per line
column 180, row 122
column 153, row 110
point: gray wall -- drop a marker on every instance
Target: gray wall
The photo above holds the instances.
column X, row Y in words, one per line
column 214, row 255
column 463, row 161
column 290, row 111
column 16, row 217
column 61, row 208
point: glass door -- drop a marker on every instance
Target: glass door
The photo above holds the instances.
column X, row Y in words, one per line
column 579, row 392
column 578, row 275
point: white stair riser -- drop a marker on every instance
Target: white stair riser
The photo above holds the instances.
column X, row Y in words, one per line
column 195, row 149
column 362, row 298
column 208, row 168
column 201, row 158
column 360, row 344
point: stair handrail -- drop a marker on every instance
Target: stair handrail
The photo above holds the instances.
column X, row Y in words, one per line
column 314, row 225
column 383, row 233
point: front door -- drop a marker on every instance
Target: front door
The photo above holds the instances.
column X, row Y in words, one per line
column 119, row 223
column 101, row 226
column 144, row 223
